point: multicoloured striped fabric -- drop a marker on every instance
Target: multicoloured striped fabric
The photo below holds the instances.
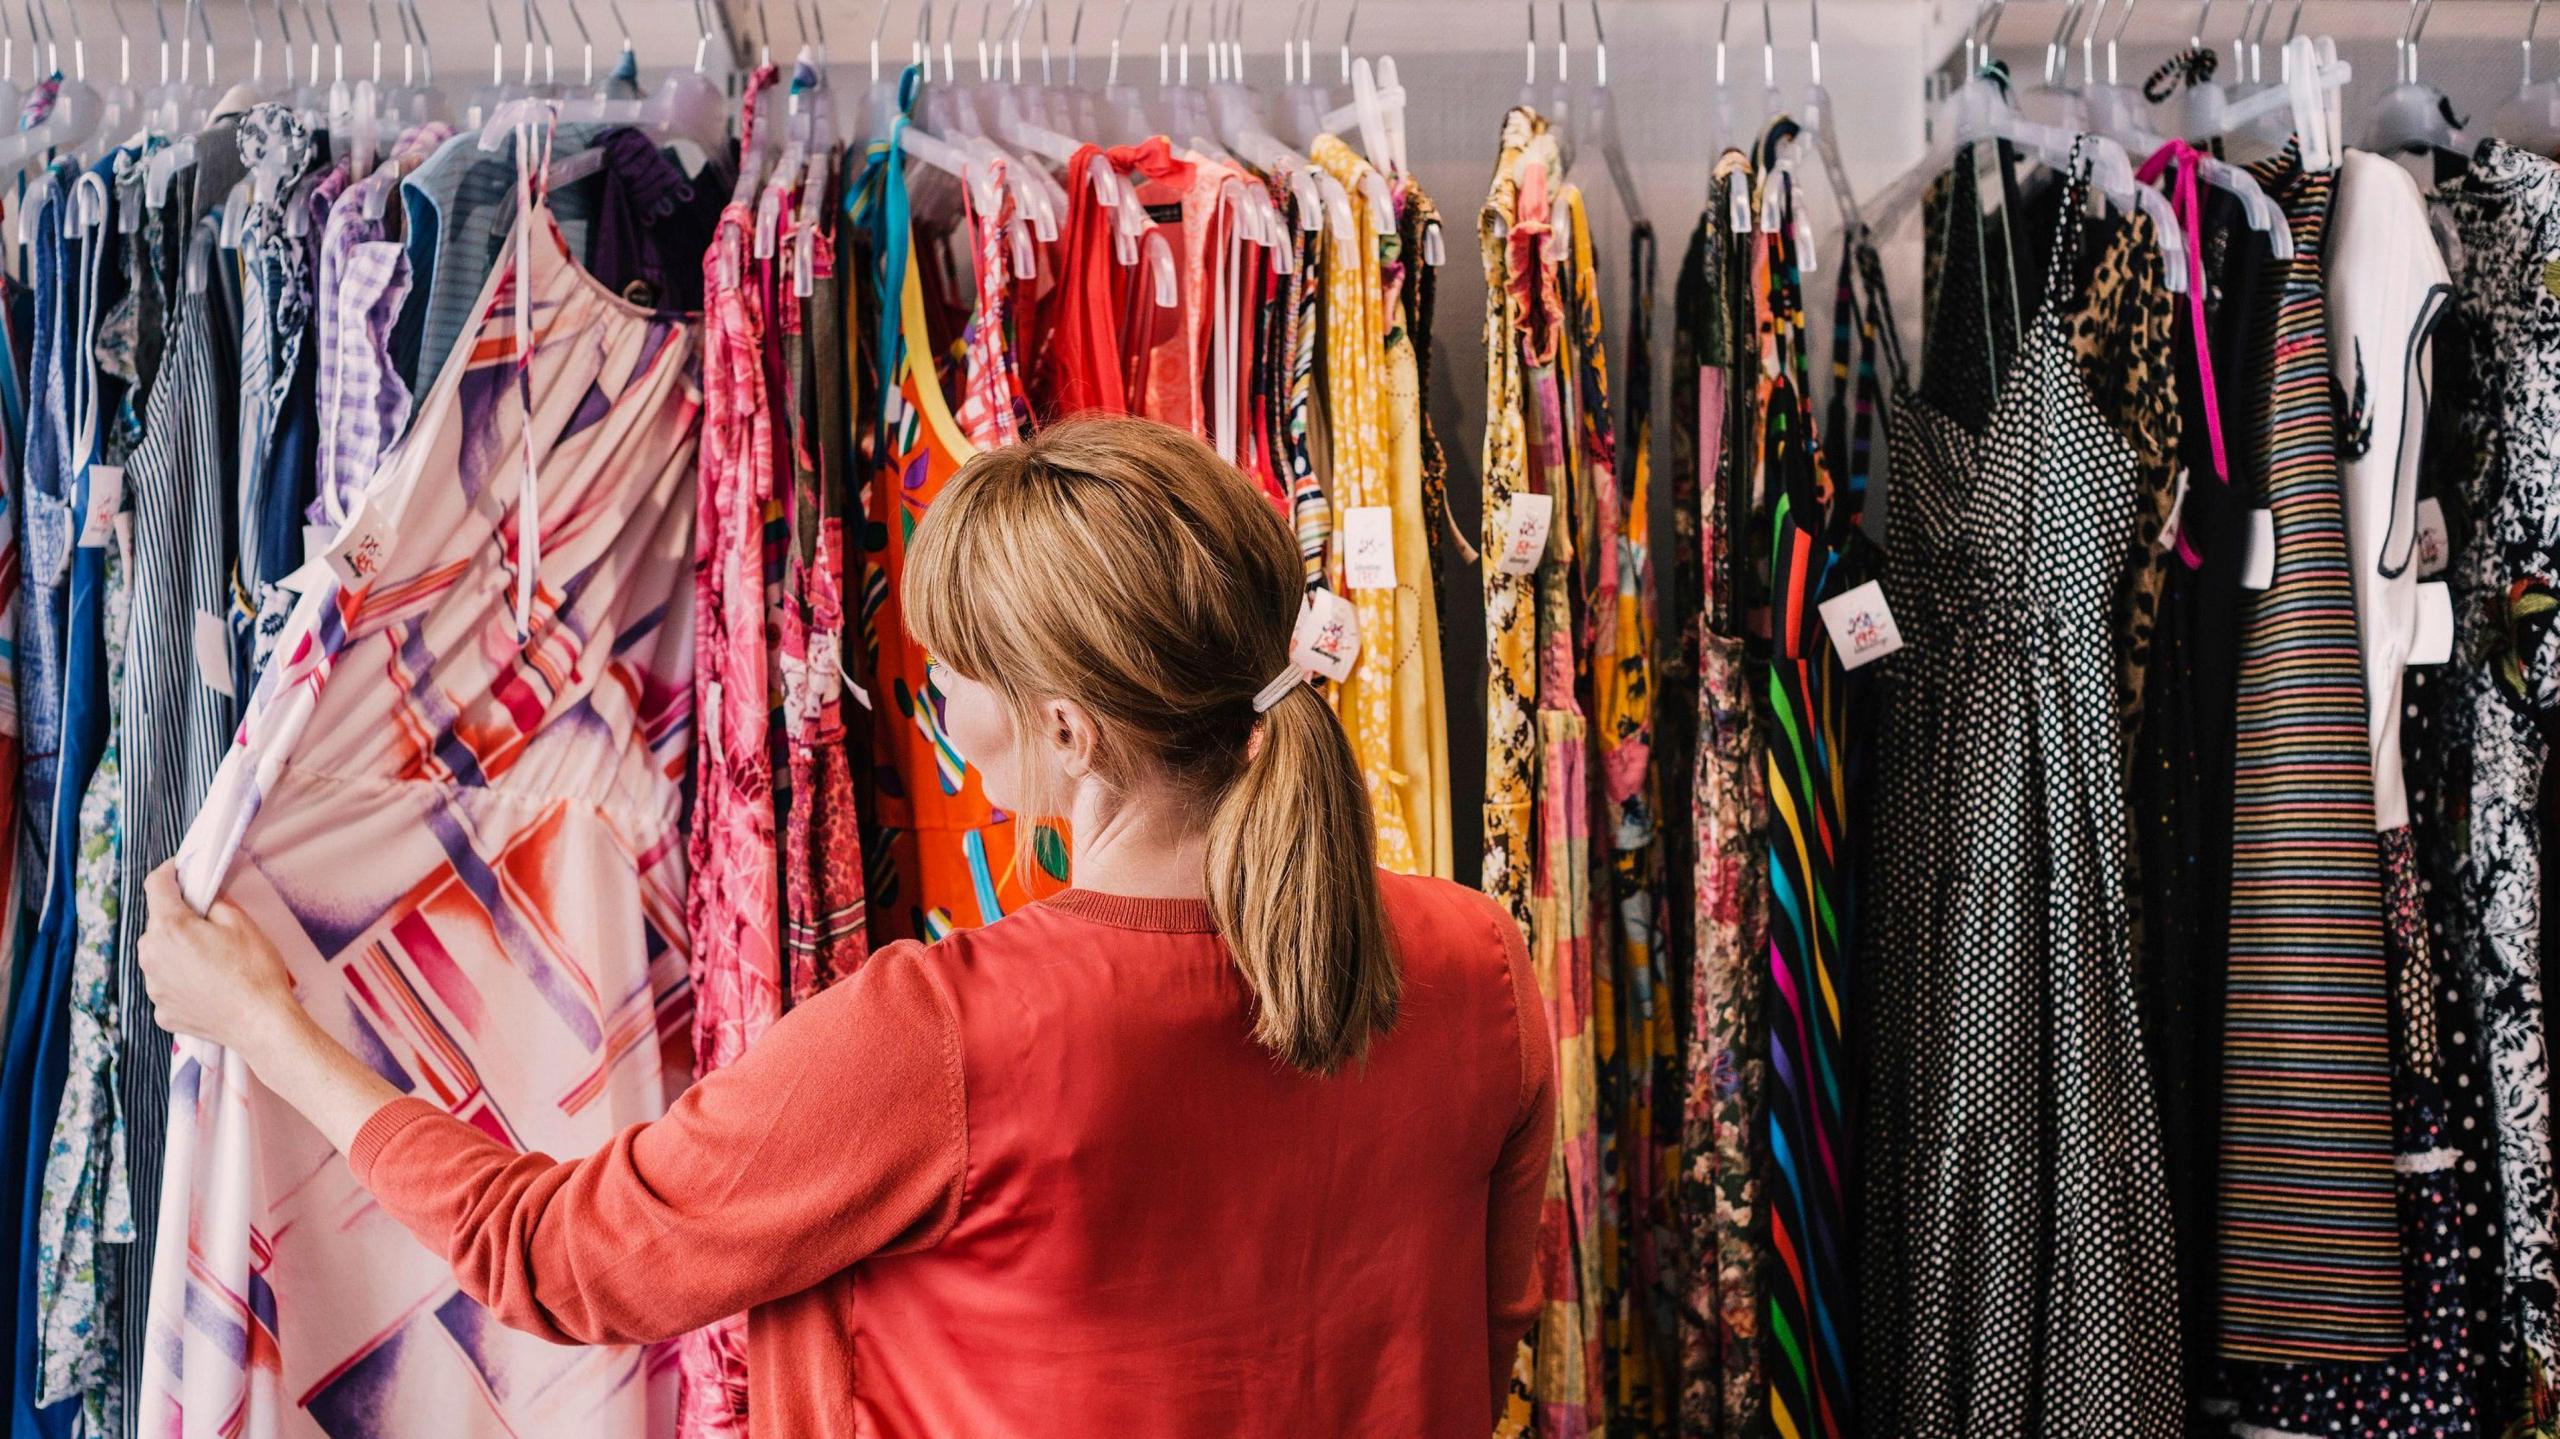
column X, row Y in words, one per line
column 2310, row 1224
column 1806, row 1154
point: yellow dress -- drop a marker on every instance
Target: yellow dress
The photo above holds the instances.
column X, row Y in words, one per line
column 1421, row 704
column 1355, row 409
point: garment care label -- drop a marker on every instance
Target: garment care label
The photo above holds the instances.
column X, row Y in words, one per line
column 2167, row 540
column 2258, row 565
column 213, row 654
column 1861, row 625
column 1369, row 547
column 1327, row 638
column 106, row 499
column 2435, row 546
column 362, row 546
column 2433, row 642
column 1524, row 533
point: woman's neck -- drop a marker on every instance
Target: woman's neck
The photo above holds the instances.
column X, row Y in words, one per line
column 1138, row 848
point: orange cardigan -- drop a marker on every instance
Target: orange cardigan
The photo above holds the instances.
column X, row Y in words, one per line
column 1037, row 1180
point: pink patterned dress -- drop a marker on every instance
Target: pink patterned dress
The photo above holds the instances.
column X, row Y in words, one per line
column 470, row 848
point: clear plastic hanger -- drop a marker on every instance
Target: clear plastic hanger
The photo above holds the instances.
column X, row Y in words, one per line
column 1723, row 127
column 2412, row 117
column 1600, row 119
column 687, row 113
column 1121, row 117
column 73, row 121
column 1308, row 99
column 2532, row 119
column 1980, row 111
column 1238, row 112
column 1020, row 119
column 2053, row 99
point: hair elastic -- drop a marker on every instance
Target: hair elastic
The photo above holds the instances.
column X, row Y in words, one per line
column 1278, row 689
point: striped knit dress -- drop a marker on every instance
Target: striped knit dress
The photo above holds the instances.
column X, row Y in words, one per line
column 2310, row 1220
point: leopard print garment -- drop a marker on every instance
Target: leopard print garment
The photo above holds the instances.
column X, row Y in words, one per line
column 2121, row 333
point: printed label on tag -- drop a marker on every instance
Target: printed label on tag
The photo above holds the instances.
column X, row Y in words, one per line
column 1524, row 534
column 1327, row 639
column 106, row 499
column 1773, row 208
column 362, row 547
column 2258, row 566
column 1369, row 547
column 1740, row 208
column 2167, row 539
column 213, row 654
column 1861, row 625
column 2435, row 546
column 2433, row 643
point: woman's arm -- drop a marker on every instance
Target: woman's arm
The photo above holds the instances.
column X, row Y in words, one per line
column 840, row 1134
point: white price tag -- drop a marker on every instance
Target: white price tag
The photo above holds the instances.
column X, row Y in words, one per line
column 2435, row 546
column 2258, row 565
column 1524, row 534
column 1739, row 211
column 213, row 654
column 1327, row 638
column 1773, row 208
column 1861, row 625
column 106, row 498
column 362, row 547
column 1369, row 547
column 2433, row 643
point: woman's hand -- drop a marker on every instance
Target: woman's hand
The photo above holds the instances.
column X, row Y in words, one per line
column 218, row 977
column 214, row 976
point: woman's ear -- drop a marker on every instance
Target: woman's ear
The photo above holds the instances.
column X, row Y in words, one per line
column 1074, row 741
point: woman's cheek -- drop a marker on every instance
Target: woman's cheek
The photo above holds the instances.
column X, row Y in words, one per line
column 977, row 726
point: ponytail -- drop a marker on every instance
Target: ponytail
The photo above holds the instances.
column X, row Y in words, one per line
column 1293, row 886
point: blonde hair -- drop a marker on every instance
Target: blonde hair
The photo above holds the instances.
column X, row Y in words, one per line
column 1122, row 564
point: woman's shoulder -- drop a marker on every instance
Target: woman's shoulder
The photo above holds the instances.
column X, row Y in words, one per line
column 1441, row 917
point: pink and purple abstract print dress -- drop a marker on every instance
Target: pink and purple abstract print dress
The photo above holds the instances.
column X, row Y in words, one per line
column 470, row 846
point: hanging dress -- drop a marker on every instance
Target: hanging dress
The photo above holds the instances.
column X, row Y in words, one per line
column 1723, row 1390
column 947, row 858
column 732, row 909
column 2493, row 702
column 1419, row 714
column 2013, row 1235
column 1355, row 407
column 2385, row 289
column 176, row 726
column 2309, row 1221
column 826, row 929
column 507, row 763
column 1805, row 1152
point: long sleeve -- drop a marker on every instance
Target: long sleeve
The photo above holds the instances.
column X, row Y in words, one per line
column 840, row 1135
column 1520, row 1175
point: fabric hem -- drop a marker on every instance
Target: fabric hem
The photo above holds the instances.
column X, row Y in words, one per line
column 1122, row 911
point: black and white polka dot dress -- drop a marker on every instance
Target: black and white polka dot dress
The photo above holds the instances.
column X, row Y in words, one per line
column 2018, row 1278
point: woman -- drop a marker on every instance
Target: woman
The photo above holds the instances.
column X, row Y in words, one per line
column 1239, row 1136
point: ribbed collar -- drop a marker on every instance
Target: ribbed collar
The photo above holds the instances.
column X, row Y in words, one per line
column 1169, row 916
